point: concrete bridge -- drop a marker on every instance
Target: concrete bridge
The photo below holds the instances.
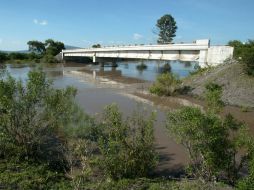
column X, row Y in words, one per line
column 199, row 51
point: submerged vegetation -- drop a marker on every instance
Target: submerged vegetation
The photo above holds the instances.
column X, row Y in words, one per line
column 141, row 67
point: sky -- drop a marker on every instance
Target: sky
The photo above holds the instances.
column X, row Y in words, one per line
column 82, row 23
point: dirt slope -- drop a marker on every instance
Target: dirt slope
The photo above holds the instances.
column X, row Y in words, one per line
column 238, row 88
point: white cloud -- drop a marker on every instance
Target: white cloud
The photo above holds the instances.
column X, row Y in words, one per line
column 42, row 22
column 137, row 36
column 1, row 40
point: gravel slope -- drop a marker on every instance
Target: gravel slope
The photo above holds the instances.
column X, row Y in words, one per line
column 238, row 88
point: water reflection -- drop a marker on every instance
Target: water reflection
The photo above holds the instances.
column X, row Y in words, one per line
column 141, row 67
column 129, row 68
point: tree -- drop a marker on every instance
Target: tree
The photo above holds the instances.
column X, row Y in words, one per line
column 245, row 53
column 53, row 47
column 167, row 29
column 36, row 46
column 3, row 57
column 96, row 46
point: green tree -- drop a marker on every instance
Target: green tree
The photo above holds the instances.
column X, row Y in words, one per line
column 53, row 47
column 238, row 47
column 166, row 26
column 96, row 46
column 3, row 57
column 36, row 47
column 248, row 58
column 245, row 53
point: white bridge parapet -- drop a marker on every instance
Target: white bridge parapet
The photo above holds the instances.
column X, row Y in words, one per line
column 199, row 51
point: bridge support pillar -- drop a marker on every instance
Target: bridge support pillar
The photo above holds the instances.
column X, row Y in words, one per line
column 94, row 59
column 203, row 58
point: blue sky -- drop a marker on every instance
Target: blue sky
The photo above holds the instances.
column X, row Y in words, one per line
column 85, row 22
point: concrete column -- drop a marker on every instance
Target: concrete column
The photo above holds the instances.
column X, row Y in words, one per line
column 94, row 74
column 94, row 59
column 203, row 58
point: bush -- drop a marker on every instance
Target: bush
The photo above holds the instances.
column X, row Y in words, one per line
column 141, row 67
column 127, row 145
column 166, row 84
column 207, row 138
column 213, row 95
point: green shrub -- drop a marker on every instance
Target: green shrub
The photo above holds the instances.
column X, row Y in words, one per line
column 213, row 95
column 166, row 84
column 127, row 145
column 207, row 138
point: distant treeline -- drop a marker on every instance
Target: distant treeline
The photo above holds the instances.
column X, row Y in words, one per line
column 17, row 57
column 38, row 52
